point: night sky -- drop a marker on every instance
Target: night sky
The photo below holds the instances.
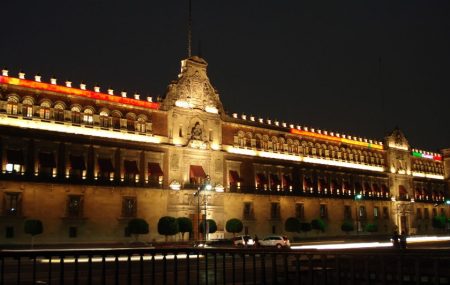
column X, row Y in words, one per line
column 313, row 63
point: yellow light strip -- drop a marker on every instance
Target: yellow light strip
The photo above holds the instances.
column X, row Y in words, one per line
column 428, row 175
column 69, row 129
column 113, row 259
column 336, row 139
column 298, row 158
column 343, row 164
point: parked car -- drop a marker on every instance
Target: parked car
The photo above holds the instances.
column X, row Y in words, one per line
column 244, row 240
column 275, row 240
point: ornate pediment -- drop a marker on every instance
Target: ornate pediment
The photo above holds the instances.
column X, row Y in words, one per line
column 192, row 89
column 396, row 139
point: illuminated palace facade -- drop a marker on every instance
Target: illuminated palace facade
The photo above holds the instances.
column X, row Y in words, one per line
column 85, row 162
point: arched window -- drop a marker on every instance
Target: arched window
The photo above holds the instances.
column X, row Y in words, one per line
column 274, row 143
column 58, row 112
column 11, row 105
column 104, row 119
column 27, row 108
column 141, row 125
column 88, row 117
column 75, row 114
column 131, row 118
column 44, row 110
column 116, row 119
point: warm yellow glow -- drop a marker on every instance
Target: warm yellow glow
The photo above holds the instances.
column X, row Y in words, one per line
column 402, row 147
column 304, row 159
column 77, row 130
column 175, row 185
column 279, row 156
column 428, row 175
column 344, row 245
column 113, row 259
column 215, row 146
column 211, row 109
column 343, row 164
column 183, row 104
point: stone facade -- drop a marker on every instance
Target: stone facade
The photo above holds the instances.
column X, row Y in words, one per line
column 86, row 162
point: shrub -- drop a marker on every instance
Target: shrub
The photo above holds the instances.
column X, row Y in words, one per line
column 439, row 222
column 234, row 226
column 138, row 227
column 292, row 225
column 184, row 226
column 167, row 226
column 371, row 228
column 318, row 224
column 212, row 226
column 305, row 227
column 347, row 226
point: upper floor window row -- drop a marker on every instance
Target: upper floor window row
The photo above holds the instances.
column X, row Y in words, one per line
column 76, row 114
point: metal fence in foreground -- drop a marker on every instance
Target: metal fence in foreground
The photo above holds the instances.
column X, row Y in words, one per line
column 224, row 266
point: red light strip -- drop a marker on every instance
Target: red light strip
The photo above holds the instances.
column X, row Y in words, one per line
column 336, row 139
column 78, row 92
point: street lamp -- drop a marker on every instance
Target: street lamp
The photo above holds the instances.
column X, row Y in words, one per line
column 358, row 197
column 206, row 185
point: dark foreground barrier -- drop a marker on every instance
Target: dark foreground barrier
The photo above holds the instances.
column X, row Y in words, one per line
column 224, row 266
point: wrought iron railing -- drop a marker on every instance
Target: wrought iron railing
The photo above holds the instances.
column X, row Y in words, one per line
column 224, row 266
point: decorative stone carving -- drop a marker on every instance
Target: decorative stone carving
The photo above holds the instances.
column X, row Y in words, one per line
column 193, row 89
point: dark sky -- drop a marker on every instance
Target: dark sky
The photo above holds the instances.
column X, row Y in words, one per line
column 315, row 63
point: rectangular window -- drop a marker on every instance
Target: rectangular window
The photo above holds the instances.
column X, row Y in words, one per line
column 12, row 202
column 104, row 121
column 419, row 213
column 129, row 207
column 76, row 117
column 300, row 211
column 106, row 169
column 44, row 113
column 323, row 211
column 9, row 232
column 73, row 232
column 130, row 125
column 27, row 111
column 75, row 206
column 362, row 213
column 248, row 211
column 11, row 108
column 385, row 213
column 434, row 212
column 131, row 171
column 426, row 213
column 347, row 212
column 376, row 213
column 59, row 115
column 275, row 211
column 88, row 119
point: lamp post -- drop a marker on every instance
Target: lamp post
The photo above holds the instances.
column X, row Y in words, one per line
column 206, row 185
column 358, row 197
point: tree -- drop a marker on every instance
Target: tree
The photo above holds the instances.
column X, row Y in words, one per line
column 168, row 226
column 211, row 224
column 371, row 228
column 184, row 226
column 347, row 226
column 234, row 226
column 292, row 225
column 305, row 227
column 138, row 227
column 318, row 224
column 33, row 227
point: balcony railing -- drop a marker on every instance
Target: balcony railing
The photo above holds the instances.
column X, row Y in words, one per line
column 223, row 266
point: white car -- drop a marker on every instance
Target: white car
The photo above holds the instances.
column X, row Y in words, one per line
column 276, row 241
column 244, row 240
